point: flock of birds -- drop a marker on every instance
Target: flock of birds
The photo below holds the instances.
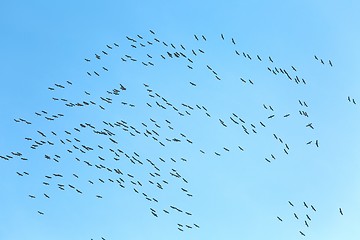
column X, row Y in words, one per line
column 145, row 176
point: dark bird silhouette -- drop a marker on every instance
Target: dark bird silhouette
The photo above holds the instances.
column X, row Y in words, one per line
column 122, row 87
column 313, row 208
column 341, row 212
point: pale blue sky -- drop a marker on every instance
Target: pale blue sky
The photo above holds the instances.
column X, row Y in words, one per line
column 237, row 195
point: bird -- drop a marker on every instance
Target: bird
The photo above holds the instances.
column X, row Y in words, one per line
column 313, row 208
column 122, row 87
column 341, row 212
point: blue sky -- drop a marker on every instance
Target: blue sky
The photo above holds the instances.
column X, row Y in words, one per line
column 227, row 192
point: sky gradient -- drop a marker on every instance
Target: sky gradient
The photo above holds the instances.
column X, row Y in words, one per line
column 248, row 117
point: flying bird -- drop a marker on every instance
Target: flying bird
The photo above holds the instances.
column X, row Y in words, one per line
column 313, row 208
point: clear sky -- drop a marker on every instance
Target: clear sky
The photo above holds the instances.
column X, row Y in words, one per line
column 166, row 136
